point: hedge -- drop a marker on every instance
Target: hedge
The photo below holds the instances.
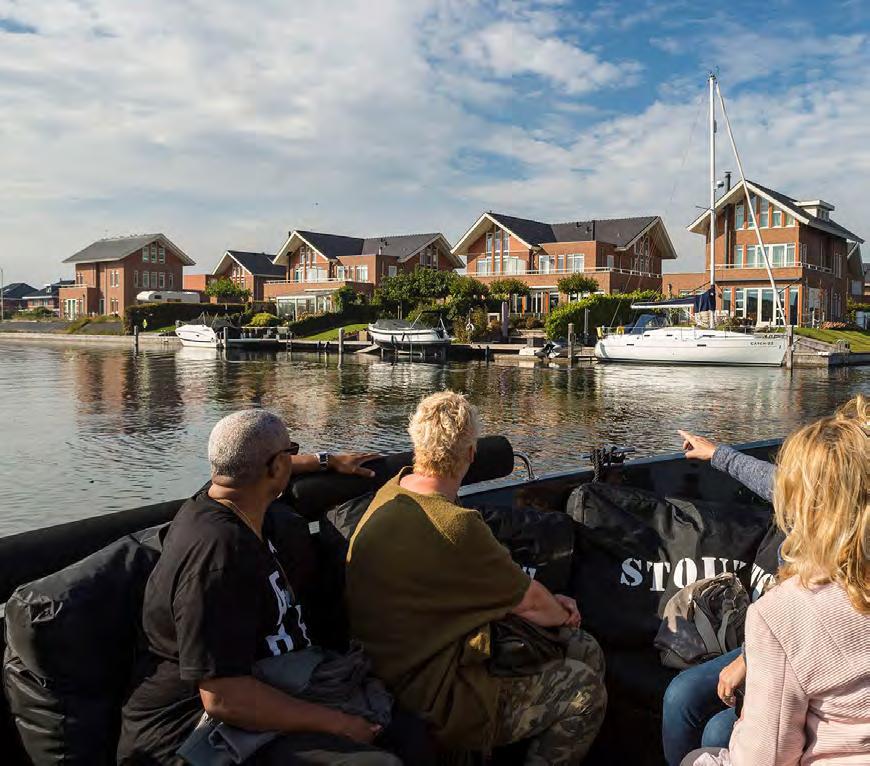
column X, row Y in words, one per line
column 165, row 314
column 604, row 310
column 317, row 323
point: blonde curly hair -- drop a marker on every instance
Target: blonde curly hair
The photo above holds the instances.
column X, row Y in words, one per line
column 442, row 428
column 821, row 502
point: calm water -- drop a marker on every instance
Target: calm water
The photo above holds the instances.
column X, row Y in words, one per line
column 89, row 430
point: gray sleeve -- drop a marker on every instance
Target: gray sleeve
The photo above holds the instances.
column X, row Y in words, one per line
column 755, row 474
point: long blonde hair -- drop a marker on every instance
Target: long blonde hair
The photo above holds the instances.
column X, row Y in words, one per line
column 821, row 502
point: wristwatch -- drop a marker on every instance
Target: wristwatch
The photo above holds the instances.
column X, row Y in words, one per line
column 323, row 459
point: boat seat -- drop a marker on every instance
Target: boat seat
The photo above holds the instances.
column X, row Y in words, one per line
column 312, row 495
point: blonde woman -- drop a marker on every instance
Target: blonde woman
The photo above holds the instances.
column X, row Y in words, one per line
column 807, row 694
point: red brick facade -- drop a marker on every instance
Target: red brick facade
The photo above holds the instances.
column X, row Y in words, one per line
column 109, row 287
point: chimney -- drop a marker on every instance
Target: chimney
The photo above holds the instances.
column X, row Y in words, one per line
column 727, row 181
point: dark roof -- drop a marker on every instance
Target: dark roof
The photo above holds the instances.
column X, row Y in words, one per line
column 616, row 231
column 51, row 290
column 258, row 264
column 336, row 245
column 118, row 248
column 792, row 204
column 17, row 290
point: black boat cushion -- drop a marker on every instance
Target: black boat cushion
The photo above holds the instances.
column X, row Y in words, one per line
column 71, row 640
column 634, row 550
column 312, row 495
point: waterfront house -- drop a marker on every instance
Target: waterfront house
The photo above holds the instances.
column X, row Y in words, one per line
column 816, row 262
column 316, row 264
column 250, row 271
column 12, row 296
column 48, row 297
column 111, row 272
column 620, row 254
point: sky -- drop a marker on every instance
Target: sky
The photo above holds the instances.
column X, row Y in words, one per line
column 227, row 124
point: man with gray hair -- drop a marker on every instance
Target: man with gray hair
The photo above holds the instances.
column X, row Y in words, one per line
column 218, row 600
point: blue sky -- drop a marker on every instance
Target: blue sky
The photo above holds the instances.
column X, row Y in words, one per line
column 226, row 124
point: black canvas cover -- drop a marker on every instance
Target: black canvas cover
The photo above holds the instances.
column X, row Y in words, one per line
column 634, row 550
column 71, row 639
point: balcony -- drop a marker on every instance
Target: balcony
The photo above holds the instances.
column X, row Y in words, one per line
column 563, row 272
column 791, row 265
column 283, row 288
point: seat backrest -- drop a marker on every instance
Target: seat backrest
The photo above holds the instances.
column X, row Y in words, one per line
column 71, row 640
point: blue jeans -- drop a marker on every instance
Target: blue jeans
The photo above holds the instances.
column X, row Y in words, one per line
column 693, row 716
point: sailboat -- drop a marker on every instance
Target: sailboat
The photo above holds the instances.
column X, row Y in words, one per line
column 650, row 342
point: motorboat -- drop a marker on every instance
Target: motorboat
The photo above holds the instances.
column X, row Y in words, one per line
column 93, row 611
column 552, row 349
column 650, row 340
column 205, row 332
column 408, row 337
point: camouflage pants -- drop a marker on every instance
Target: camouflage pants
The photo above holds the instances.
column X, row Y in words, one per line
column 560, row 709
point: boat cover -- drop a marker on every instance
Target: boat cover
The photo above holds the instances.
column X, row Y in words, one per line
column 634, row 550
column 705, row 301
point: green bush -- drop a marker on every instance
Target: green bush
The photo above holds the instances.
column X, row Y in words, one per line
column 164, row 314
column 226, row 291
column 604, row 310
column 533, row 323
column 264, row 319
column 317, row 323
column 478, row 329
column 40, row 312
column 577, row 283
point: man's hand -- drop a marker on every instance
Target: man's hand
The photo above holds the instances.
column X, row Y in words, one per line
column 697, row 447
column 732, row 677
column 357, row 728
column 352, row 463
column 570, row 606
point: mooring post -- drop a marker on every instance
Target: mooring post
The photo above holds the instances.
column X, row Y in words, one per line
column 136, row 338
column 226, row 334
column 585, row 326
column 789, row 342
column 570, row 343
column 340, row 342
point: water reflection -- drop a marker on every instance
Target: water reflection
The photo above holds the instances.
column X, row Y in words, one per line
column 90, row 430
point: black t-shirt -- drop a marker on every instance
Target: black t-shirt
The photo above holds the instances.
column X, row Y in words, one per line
column 216, row 602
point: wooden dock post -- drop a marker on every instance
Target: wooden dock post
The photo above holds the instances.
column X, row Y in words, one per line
column 136, row 339
column 570, row 343
column 789, row 351
column 585, row 327
column 226, row 335
column 340, row 342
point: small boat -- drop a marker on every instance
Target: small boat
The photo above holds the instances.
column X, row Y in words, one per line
column 205, row 332
column 552, row 349
column 408, row 337
column 650, row 340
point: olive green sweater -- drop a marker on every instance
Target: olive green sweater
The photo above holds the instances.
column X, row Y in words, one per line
column 425, row 577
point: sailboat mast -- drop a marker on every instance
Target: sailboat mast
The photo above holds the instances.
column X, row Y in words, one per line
column 712, row 83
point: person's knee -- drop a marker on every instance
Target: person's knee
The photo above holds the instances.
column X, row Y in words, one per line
column 717, row 732
column 681, row 694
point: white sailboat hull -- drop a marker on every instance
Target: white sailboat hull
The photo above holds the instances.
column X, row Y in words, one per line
column 671, row 345
column 197, row 335
column 408, row 339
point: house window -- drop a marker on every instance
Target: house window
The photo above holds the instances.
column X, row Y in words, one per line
column 560, row 263
column 546, row 264
column 392, row 271
column 153, row 253
column 135, row 279
column 777, row 217
column 362, row 273
column 611, row 261
column 161, row 255
column 171, row 280
column 726, row 300
column 739, row 216
column 339, row 272
column 144, row 255
column 489, row 243
column 145, row 279
column 792, row 305
column 162, row 282
column 738, row 256
column 765, row 214
column 297, row 274
column 483, row 265
column 777, row 255
column 789, row 219
column 154, row 280
column 576, row 262
column 789, row 254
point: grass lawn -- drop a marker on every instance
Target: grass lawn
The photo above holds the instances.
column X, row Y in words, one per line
column 158, row 330
column 333, row 333
column 859, row 340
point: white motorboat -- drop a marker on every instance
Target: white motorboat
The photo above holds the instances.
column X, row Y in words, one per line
column 399, row 335
column 197, row 335
column 648, row 341
column 691, row 345
column 552, row 349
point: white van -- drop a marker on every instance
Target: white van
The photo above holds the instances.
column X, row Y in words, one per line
column 167, row 296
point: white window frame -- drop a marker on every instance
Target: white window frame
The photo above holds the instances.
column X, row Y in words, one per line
column 777, row 213
column 153, row 280
column 362, row 273
column 162, row 281
column 611, row 261
column 392, row 270
column 742, row 208
column 145, row 281
column 161, row 254
column 764, row 214
column 153, row 253
column 145, row 254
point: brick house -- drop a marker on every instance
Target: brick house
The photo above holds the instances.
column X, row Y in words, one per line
column 111, row 272
column 48, row 297
column 316, row 264
column 816, row 262
column 12, row 296
column 249, row 271
column 621, row 254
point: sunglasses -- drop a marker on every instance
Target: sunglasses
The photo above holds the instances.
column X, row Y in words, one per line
column 293, row 449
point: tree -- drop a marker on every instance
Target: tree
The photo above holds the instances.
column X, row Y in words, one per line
column 345, row 296
column 227, row 291
column 466, row 293
column 577, row 284
column 503, row 289
column 413, row 288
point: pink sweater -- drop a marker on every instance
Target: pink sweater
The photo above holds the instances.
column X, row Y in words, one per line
column 807, row 683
